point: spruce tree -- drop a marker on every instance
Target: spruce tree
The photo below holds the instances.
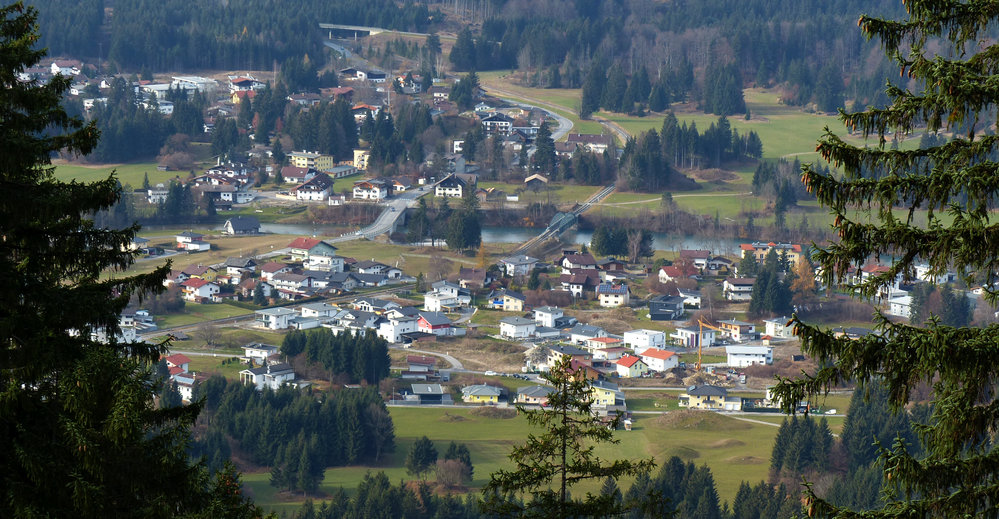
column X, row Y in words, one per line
column 944, row 49
column 81, row 434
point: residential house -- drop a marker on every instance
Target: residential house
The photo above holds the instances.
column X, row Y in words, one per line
column 640, row 340
column 778, row 327
column 759, row 251
column 697, row 257
column 712, row 398
column 584, row 261
column 429, row 394
column 452, row 186
column 462, row 295
column 192, row 242
column 580, row 333
column 241, row 225
column 611, row 265
column 516, row 328
column 361, row 158
column 631, row 366
column 374, row 305
column 520, row 265
column 556, row 352
column 269, row 269
column 301, row 247
column 534, row 395
column 270, row 376
column 741, row 356
column 693, row 336
column 318, row 310
column 274, row 318
column 205, row 272
column 613, row 296
column 610, row 353
column 374, row 267
column 660, row 360
column 592, row 143
column 497, row 123
column 437, row 324
column 665, row 308
column 311, row 160
column 178, row 361
column 900, row 306
column 580, row 281
column 421, row 364
column 198, row 290
column 249, row 285
column 371, row 189
column 297, row 175
column 290, row 285
column 392, row 329
column 315, row 189
column 239, row 268
column 718, row 265
column 547, row 316
column 481, row 394
column 506, row 300
column 737, row 330
column 258, row 352
column 738, row 289
column 691, row 298
column 605, row 394
column 676, row 272
column 472, row 278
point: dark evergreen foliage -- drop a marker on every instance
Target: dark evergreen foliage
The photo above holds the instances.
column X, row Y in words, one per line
column 360, row 358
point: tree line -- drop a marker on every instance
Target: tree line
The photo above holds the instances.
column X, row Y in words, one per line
column 460, row 229
column 296, row 433
column 359, row 358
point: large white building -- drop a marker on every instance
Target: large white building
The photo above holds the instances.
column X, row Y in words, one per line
column 640, row 340
column 742, row 356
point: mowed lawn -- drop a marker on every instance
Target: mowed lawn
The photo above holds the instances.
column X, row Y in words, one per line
column 131, row 174
column 561, row 194
column 196, row 313
column 735, row 450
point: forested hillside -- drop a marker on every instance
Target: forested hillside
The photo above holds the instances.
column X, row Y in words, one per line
column 215, row 34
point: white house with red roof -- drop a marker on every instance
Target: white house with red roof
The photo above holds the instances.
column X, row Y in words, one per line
column 631, row 366
column 269, row 269
column 178, row 361
column 660, row 360
column 199, row 291
column 297, row 175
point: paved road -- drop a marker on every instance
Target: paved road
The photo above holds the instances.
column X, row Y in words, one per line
column 394, row 207
column 564, row 124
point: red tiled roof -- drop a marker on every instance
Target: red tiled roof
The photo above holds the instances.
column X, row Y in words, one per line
column 656, row 353
column 176, row 370
column 747, row 246
column 605, row 340
column 421, row 360
column 194, row 283
column 272, row 266
column 178, row 359
column 304, row 243
column 628, row 361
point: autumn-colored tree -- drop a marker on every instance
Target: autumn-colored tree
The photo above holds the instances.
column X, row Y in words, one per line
column 803, row 288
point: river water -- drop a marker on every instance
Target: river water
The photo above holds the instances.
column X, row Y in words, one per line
column 490, row 234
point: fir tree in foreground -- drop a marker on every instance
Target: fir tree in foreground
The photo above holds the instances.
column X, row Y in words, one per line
column 551, row 462
column 943, row 47
column 80, row 434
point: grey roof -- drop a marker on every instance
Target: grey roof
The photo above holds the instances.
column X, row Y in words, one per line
column 244, row 223
column 585, row 329
column 276, row 311
column 481, row 390
column 516, row 321
column 427, row 389
column 519, row 260
column 189, row 234
column 547, row 309
column 368, row 264
column 535, row 391
column 568, row 350
column 706, row 391
column 370, row 278
column 435, row 318
column 243, row 263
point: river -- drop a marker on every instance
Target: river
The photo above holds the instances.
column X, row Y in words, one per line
column 491, row 234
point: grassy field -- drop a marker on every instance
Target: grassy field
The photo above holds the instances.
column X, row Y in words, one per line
column 564, row 194
column 735, row 450
column 132, row 173
column 196, row 313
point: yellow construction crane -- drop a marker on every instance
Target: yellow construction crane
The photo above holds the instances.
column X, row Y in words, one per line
column 701, row 325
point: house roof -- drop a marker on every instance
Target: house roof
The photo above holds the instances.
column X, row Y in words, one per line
column 435, row 318
column 740, row 281
column 320, row 182
column 707, row 391
column 695, row 253
column 366, row 264
column 481, row 390
column 517, row 321
column 189, row 234
column 243, row 263
column 243, row 223
column 629, row 361
column 604, row 340
column 427, row 389
column 272, row 266
column 547, row 310
column 535, row 391
column 748, row 350
column 607, row 288
column 581, row 259
column 303, row 243
column 178, row 359
column 568, row 350
column 194, row 283
column 295, row 172
column 519, row 260
column 656, row 353
column 195, row 270
column 421, row 360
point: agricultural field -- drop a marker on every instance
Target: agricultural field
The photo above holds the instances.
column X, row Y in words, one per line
column 195, row 313
column 703, row 438
column 567, row 194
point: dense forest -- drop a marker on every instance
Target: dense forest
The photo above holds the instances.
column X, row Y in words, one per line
column 177, row 35
column 295, row 433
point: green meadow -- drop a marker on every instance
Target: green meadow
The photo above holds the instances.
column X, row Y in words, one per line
column 736, row 450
